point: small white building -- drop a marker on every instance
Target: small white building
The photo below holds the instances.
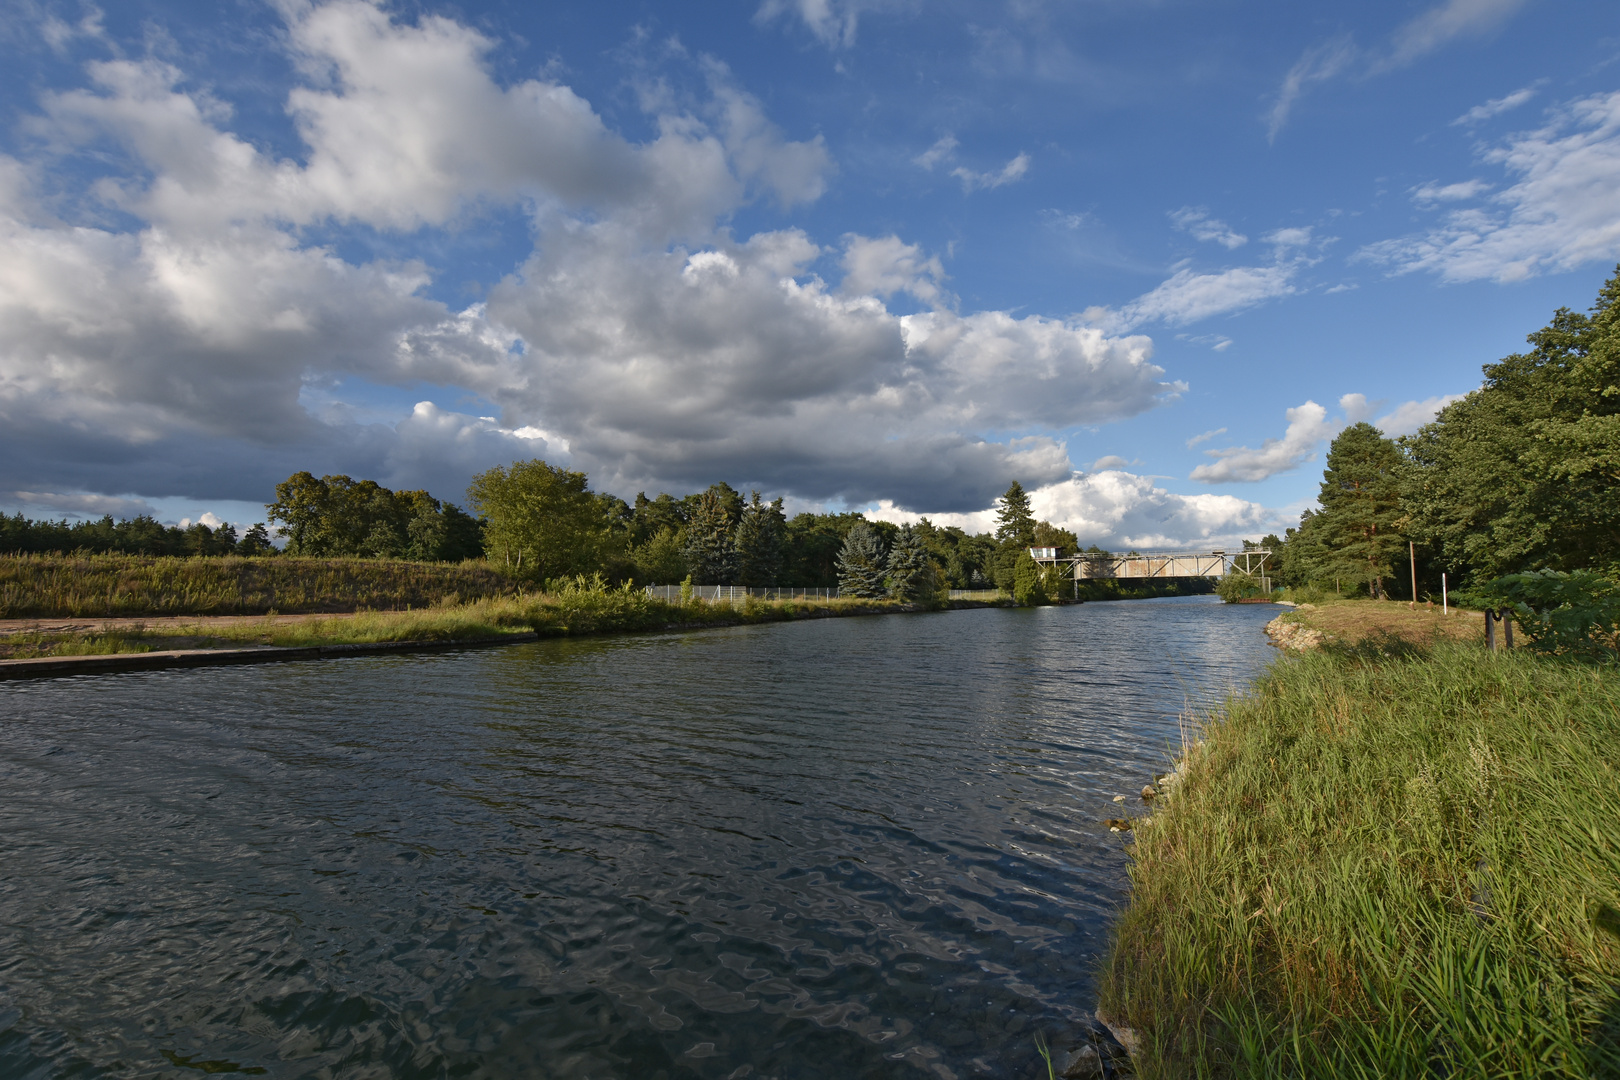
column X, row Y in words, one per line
column 1043, row 553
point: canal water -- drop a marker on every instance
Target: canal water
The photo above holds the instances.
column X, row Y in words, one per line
column 865, row 847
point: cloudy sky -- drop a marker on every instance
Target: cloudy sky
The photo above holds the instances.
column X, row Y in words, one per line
column 886, row 254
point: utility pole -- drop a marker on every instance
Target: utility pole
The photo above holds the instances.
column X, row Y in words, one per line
column 1411, row 551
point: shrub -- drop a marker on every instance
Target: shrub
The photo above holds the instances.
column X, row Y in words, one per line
column 1574, row 614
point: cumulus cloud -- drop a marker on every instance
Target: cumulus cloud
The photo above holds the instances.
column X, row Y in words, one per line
column 1495, row 107
column 1563, row 210
column 1308, row 427
column 1197, row 222
column 887, row 265
column 1407, row 418
column 640, row 340
column 1119, row 510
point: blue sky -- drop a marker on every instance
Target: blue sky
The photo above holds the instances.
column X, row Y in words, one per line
column 1145, row 257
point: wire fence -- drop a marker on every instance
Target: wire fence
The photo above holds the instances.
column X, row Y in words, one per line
column 716, row 593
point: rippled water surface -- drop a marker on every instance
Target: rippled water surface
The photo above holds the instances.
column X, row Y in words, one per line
column 860, row 847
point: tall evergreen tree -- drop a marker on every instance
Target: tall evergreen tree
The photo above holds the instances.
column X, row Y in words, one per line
column 861, row 565
column 1015, row 523
column 1356, row 530
column 910, row 571
column 710, row 554
column 758, row 540
column 1524, row 472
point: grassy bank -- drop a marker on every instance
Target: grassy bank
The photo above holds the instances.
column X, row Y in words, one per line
column 1349, row 622
column 1385, row 861
column 114, row 586
column 579, row 610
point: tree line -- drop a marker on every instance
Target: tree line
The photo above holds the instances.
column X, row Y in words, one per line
column 1522, row 474
column 140, row 535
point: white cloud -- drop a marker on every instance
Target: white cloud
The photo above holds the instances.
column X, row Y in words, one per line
column 942, row 150
column 1495, row 107
column 1205, row 437
column 1118, row 510
column 975, row 181
column 887, row 265
column 832, row 22
column 1562, row 212
column 1307, row 427
column 1429, row 194
column 1295, row 237
column 1407, row 418
column 1420, row 36
column 1318, row 64
column 1109, row 461
column 640, row 340
column 1442, row 24
column 1188, row 296
column 1197, row 222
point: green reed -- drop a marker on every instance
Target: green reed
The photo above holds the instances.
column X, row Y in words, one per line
column 1385, row 862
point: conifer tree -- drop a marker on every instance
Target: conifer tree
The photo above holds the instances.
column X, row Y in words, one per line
column 1014, row 520
column 710, row 554
column 911, row 573
column 861, row 569
column 758, row 541
column 1361, row 504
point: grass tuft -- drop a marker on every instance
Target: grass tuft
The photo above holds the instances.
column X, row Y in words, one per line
column 1386, row 860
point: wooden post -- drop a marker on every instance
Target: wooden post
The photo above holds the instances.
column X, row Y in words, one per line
column 1445, row 604
column 1411, row 552
column 1507, row 628
column 1490, row 630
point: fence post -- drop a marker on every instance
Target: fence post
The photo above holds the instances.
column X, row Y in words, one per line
column 1507, row 628
column 1490, row 630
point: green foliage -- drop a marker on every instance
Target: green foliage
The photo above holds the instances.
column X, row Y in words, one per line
column 758, row 542
column 1356, row 534
column 1384, row 865
column 710, row 552
column 106, row 586
column 1237, row 586
column 1028, row 582
column 861, row 563
column 910, row 570
column 811, row 546
column 1575, row 614
column 1015, row 524
column 1523, row 472
column 542, row 522
column 661, row 560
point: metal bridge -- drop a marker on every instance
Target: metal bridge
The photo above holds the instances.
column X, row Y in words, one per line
column 1093, row 565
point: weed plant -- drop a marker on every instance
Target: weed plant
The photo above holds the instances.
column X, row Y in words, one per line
column 1385, row 860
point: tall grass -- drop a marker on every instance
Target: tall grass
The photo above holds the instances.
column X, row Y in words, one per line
column 1385, row 862
column 110, row 586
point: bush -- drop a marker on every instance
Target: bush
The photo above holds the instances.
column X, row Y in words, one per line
column 1029, row 583
column 1572, row 614
column 1237, row 586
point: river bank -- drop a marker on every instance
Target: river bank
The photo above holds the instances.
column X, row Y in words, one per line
column 57, row 647
column 1393, row 856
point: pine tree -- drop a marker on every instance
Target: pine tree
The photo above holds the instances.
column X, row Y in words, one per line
column 1014, row 520
column 911, row 573
column 1361, row 503
column 861, row 569
column 710, row 555
column 758, row 541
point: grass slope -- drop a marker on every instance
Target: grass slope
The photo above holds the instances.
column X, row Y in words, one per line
column 583, row 609
column 1385, row 862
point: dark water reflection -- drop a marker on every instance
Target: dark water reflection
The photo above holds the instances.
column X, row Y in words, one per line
column 847, row 848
